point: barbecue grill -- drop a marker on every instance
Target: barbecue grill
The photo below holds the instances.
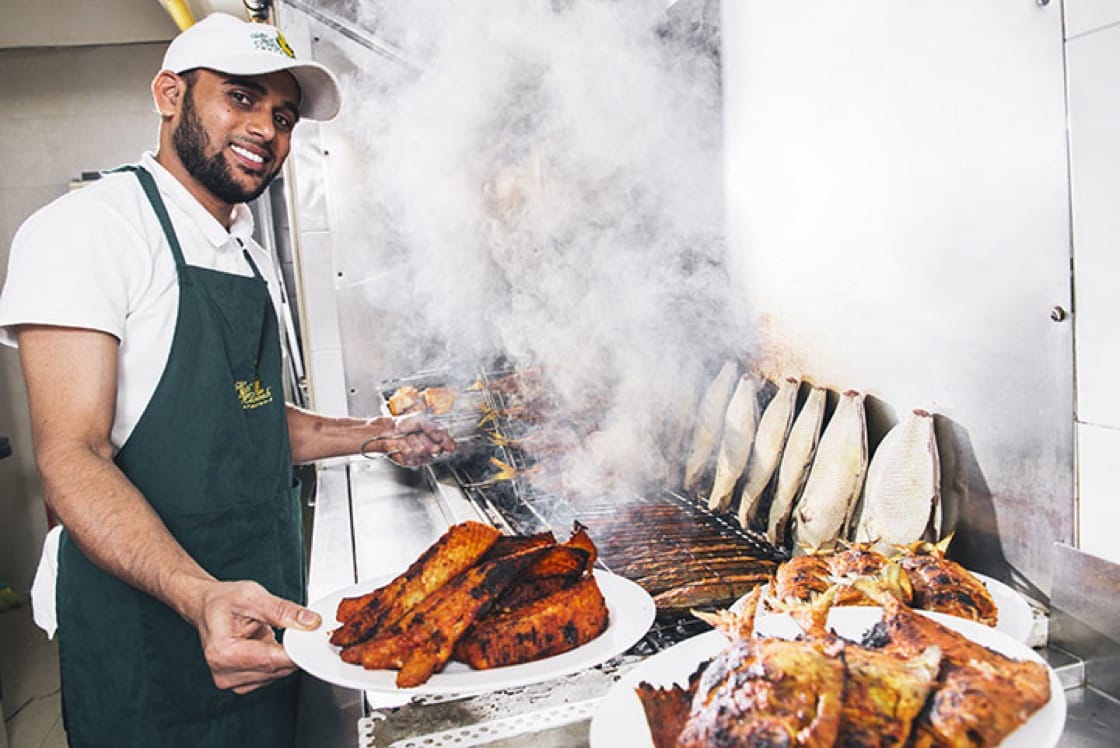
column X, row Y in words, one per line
column 853, row 272
column 671, row 544
column 680, row 552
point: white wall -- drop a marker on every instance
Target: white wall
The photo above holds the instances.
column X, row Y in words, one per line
column 1093, row 59
column 42, row 23
column 66, row 110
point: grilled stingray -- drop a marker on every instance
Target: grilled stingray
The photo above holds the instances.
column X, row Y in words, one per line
column 797, row 457
column 739, row 427
column 709, row 425
column 835, row 478
column 902, row 495
column 769, row 441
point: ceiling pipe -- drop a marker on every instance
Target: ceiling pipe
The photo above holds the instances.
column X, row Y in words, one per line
column 258, row 10
column 185, row 13
column 180, row 13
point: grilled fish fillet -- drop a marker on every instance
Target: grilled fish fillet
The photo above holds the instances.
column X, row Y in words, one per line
column 739, row 426
column 554, row 624
column 454, row 552
column 509, row 544
column 835, row 479
column 902, row 494
column 769, row 441
column 559, row 567
column 421, row 642
column 796, row 460
column 709, row 425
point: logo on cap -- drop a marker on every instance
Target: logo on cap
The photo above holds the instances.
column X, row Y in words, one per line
column 275, row 43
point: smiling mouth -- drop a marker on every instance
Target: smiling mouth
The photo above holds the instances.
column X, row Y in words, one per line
column 249, row 158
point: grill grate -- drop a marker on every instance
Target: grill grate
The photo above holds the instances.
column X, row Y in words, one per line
column 682, row 553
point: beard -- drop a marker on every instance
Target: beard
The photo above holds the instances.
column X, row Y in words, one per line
column 191, row 144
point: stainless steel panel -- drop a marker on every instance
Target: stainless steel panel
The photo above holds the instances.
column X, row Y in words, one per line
column 1085, row 614
column 331, row 562
column 395, row 516
column 1092, row 720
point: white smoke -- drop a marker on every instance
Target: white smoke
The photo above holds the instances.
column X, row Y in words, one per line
column 547, row 187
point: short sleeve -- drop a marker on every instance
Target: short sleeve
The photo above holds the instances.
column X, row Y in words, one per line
column 77, row 262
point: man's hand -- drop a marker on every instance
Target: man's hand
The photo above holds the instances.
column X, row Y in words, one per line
column 235, row 625
column 411, row 440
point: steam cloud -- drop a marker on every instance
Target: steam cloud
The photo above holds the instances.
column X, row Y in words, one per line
column 547, row 188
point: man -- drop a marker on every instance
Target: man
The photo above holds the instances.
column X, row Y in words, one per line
column 145, row 318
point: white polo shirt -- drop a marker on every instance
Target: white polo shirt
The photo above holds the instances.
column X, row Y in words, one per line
column 97, row 258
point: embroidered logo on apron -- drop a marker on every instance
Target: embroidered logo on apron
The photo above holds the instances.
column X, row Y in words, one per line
column 252, row 394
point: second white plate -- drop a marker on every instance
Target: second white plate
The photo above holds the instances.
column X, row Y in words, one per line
column 620, row 719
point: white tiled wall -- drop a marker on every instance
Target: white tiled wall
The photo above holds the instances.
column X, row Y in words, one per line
column 1084, row 16
column 1099, row 448
column 1093, row 66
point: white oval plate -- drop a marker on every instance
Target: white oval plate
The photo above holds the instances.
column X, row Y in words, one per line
column 1015, row 616
column 631, row 614
column 621, row 720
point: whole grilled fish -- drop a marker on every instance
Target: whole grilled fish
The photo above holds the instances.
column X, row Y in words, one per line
column 835, row 479
column 773, row 428
column 739, row 427
column 902, row 494
column 709, row 425
column 796, row 459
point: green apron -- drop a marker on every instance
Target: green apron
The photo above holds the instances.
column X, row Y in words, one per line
column 211, row 455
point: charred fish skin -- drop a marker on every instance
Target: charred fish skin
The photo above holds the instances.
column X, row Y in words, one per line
column 835, row 478
column 884, row 695
column 767, row 692
column 739, row 428
column 709, row 424
column 797, row 457
column 769, row 442
column 942, row 585
column 903, row 489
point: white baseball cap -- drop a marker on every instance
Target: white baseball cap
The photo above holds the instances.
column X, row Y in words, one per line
column 226, row 44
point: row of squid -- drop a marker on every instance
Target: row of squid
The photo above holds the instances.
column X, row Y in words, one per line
column 807, row 483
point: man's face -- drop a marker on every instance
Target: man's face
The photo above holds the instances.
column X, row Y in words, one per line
column 234, row 133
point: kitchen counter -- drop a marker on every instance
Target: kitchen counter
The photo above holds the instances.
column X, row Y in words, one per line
column 372, row 518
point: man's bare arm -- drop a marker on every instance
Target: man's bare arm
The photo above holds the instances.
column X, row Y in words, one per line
column 71, row 377
column 410, row 440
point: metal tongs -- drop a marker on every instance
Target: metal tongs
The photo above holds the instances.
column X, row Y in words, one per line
column 442, row 457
